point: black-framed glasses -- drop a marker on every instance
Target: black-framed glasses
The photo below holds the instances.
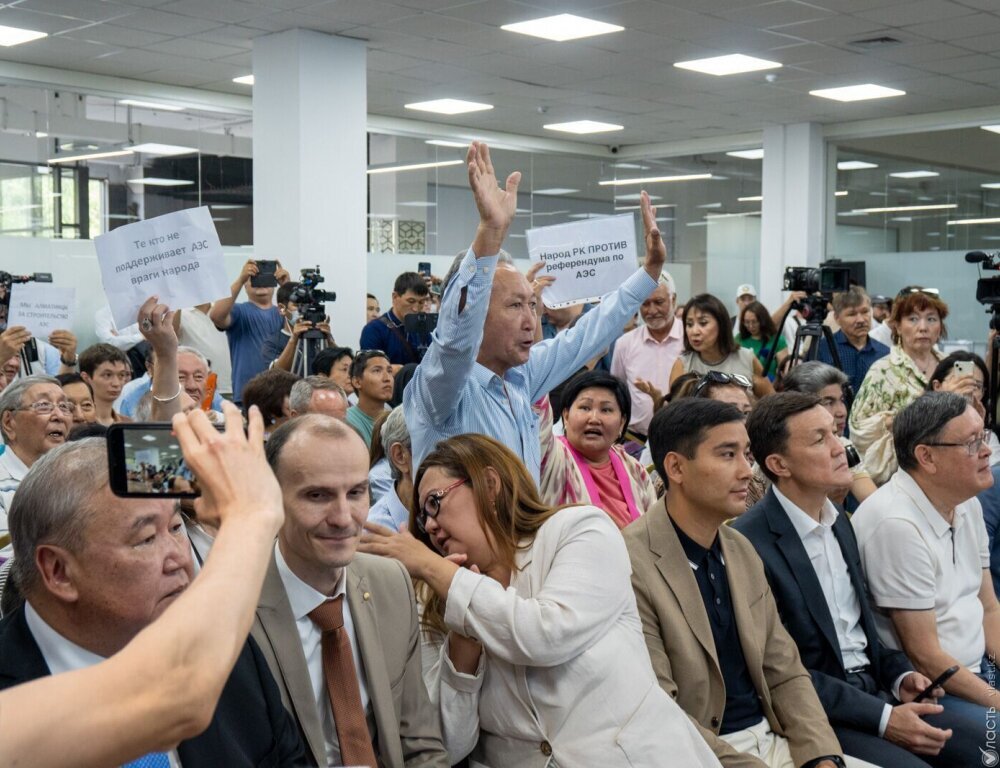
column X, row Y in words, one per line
column 432, row 504
column 721, row 379
column 972, row 446
column 46, row 407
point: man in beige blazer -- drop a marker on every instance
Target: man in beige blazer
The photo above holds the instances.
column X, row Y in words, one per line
column 322, row 466
column 712, row 629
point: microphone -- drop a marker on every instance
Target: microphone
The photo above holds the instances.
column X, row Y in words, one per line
column 976, row 257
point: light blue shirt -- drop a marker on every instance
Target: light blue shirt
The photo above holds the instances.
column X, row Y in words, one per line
column 451, row 394
column 389, row 511
column 379, row 480
column 135, row 390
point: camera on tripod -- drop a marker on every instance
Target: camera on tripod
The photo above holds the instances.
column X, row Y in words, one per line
column 988, row 288
column 824, row 280
column 310, row 299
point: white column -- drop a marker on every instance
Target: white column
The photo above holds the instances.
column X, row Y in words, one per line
column 309, row 152
column 794, row 187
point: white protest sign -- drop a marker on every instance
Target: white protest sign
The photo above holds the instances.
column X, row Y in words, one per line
column 588, row 258
column 41, row 308
column 177, row 257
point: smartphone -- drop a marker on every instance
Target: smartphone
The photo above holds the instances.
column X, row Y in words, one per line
column 424, row 268
column 265, row 274
column 420, row 322
column 963, row 367
column 938, row 681
column 145, row 461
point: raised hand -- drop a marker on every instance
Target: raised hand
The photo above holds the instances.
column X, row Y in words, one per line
column 496, row 205
column 656, row 250
column 11, row 341
column 156, row 326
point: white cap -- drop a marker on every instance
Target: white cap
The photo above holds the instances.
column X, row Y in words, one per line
column 745, row 289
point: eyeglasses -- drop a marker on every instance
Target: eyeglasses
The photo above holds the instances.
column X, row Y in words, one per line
column 972, row 447
column 432, row 504
column 45, row 407
column 722, row 379
column 915, row 289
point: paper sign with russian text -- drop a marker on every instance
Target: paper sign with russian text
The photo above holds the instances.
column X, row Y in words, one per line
column 41, row 308
column 176, row 257
column 587, row 258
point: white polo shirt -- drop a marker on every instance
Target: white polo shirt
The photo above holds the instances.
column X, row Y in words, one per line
column 915, row 560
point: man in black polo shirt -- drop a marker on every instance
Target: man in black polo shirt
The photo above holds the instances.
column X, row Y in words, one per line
column 712, row 629
column 388, row 333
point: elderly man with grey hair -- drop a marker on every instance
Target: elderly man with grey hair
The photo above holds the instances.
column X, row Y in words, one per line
column 925, row 551
column 393, row 507
column 35, row 417
column 95, row 570
column 318, row 394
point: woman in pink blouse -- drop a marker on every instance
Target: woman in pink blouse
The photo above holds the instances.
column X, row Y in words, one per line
column 587, row 464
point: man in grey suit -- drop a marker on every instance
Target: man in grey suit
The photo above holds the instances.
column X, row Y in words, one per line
column 322, row 466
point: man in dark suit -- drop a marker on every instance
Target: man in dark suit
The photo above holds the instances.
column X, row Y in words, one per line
column 811, row 560
column 390, row 717
column 95, row 570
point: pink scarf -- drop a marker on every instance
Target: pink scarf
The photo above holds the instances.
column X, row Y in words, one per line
column 620, row 472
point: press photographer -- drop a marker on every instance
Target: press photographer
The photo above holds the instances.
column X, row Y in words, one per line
column 306, row 329
column 389, row 332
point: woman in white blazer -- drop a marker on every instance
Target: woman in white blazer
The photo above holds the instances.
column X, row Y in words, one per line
column 544, row 661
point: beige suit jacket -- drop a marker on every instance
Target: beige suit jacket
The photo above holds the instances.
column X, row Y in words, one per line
column 682, row 648
column 380, row 597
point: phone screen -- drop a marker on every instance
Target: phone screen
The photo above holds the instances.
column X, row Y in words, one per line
column 424, row 268
column 145, row 460
column 265, row 275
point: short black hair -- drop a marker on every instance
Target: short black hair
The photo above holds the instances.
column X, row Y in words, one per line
column 767, row 424
column 680, row 427
column 361, row 359
column 268, row 390
column 945, row 366
column 586, row 379
column 83, row 431
column 327, row 358
column 285, row 292
column 96, row 354
column 921, row 422
column 372, row 296
column 410, row 281
column 73, row 378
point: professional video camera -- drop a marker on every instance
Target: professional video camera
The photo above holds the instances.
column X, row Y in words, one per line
column 988, row 294
column 309, row 298
column 825, row 280
column 988, row 288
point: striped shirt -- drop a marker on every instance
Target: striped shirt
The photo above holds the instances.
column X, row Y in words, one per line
column 451, row 394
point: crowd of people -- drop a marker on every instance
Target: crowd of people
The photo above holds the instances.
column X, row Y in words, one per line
column 628, row 533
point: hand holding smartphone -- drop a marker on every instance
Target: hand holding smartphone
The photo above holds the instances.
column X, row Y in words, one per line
column 265, row 277
column 937, row 683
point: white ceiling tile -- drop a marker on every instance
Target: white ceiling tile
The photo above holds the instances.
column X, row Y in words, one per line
column 198, row 49
column 959, row 27
column 86, row 10
column 114, row 35
column 228, row 11
column 775, row 14
column 165, row 23
column 915, row 12
column 40, row 22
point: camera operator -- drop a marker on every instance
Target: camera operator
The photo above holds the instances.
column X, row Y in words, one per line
column 281, row 347
column 388, row 332
column 855, row 346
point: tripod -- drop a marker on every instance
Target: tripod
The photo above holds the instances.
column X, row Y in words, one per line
column 813, row 331
column 310, row 344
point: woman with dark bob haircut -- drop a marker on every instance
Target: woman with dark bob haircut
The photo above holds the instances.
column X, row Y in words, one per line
column 543, row 658
column 588, row 465
column 710, row 346
column 759, row 334
column 971, row 381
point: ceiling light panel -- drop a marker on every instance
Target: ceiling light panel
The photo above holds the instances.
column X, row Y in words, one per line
column 967, row 222
column 563, row 27
column 915, row 174
column 90, row 156
column 653, row 179
column 902, row 208
column 862, row 92
column 449, row 106
column 244, row 79
column 554, row 191
column 854, row 165
column 154, row 181
column 584, row 126
column 15, row 35
column 447, row 143
column 166, row 150
column 415, row 166
column 732, row 64
column 747, row 154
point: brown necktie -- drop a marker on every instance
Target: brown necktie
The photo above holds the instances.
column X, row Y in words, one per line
column 342, row 685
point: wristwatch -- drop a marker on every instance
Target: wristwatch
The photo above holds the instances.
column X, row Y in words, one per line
column 70, row 363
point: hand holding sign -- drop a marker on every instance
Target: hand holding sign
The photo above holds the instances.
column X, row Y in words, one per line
column 177, row 257
column 42, row 308
column 588, row 258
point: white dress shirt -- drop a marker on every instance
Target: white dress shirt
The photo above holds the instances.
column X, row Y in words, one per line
column 62, row 655
column 831, row 570
column 303, row 598
column 12, row 472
